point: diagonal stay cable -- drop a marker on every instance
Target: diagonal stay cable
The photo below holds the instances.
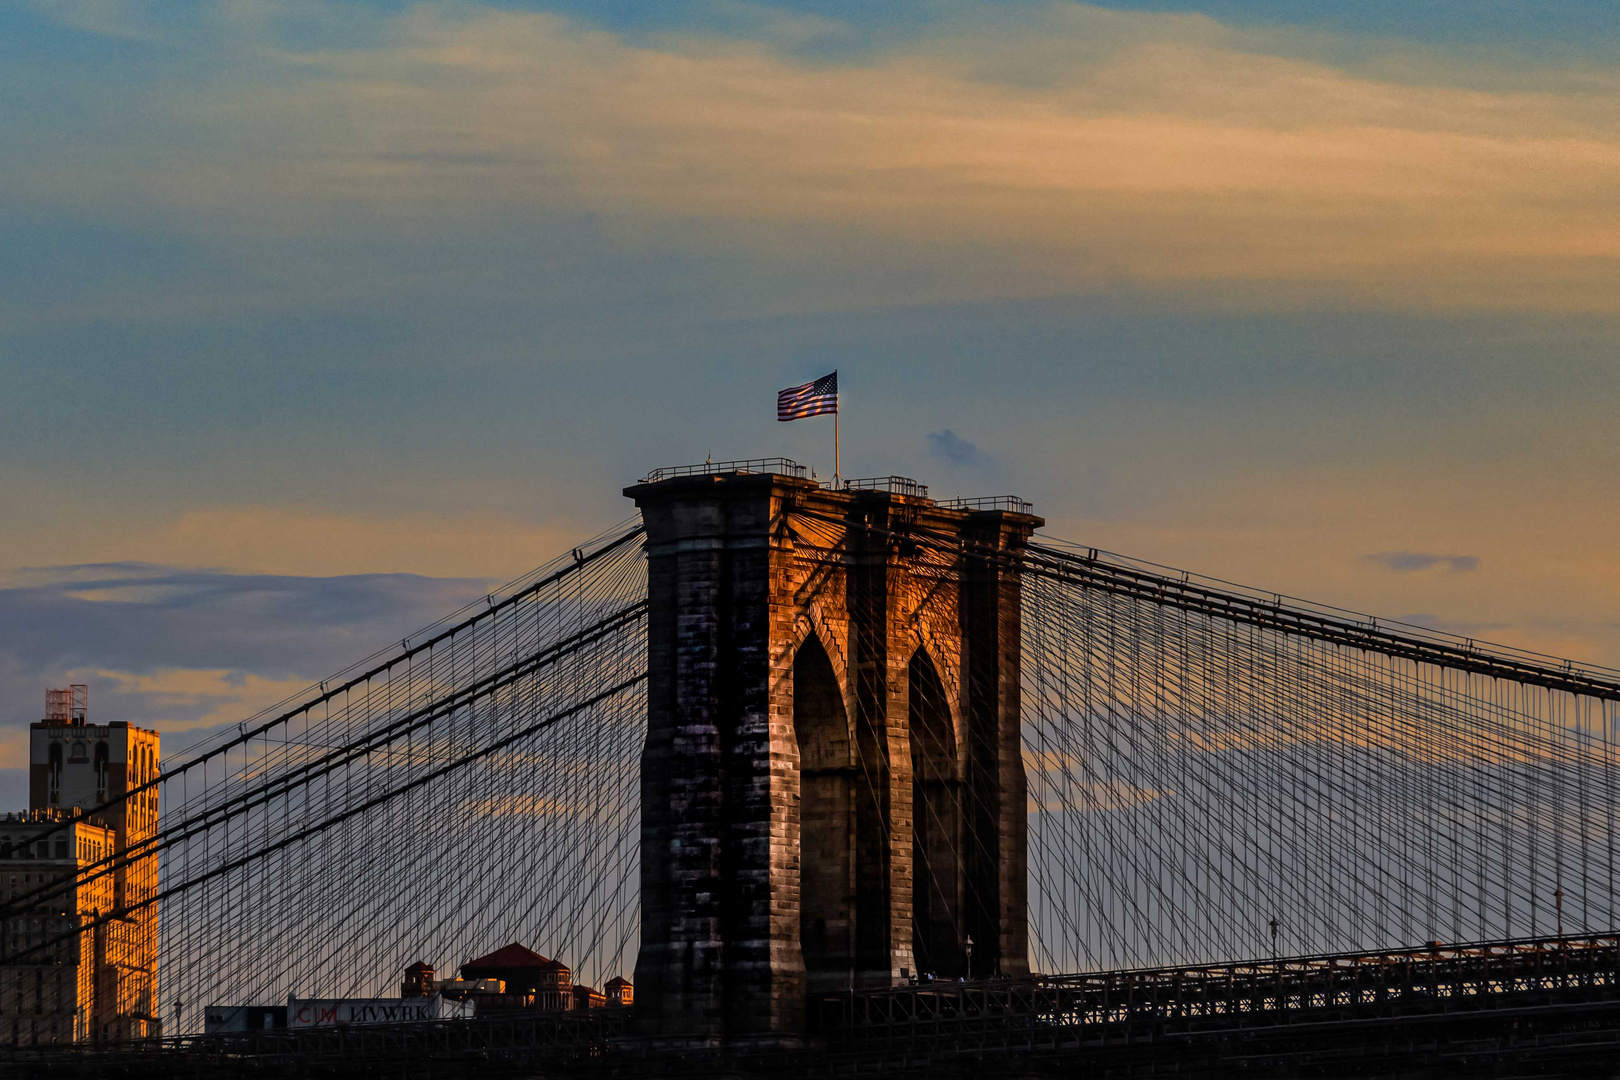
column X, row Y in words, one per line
column 1272, row 615
column 1291, row 619
column 337, row 819
column 493, row 610
column 280, row 784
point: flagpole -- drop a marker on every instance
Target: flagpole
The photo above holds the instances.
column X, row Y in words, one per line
column 837, row 460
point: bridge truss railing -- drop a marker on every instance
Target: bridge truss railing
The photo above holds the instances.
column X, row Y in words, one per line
column 1066, row 1011
column 558, row 1038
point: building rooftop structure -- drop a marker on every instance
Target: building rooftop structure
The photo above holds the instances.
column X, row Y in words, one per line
column 532, row 981
column 619, row 991
column 419, row 981
column 509, row 957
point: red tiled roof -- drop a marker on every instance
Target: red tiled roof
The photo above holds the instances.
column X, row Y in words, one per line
column 511, row 956
column 617, row 980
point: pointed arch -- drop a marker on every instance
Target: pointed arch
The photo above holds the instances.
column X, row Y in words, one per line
column 826, row 820
column 102, row 766
column 939, row 654
column 54, row 758
column 813, row 623
column 936, row 823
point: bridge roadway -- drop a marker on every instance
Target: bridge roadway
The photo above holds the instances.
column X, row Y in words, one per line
column 1552, row 1002
column 1531, row 1007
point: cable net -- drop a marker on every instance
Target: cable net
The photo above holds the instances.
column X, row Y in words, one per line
column 1206, row 788
column 474, row 786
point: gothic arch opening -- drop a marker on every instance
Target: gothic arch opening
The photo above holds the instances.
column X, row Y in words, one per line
column 101, row 764
column 826, row 822
column 936, row 815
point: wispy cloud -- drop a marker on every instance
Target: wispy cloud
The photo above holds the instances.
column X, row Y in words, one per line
column 185, row 650
column 1099, row 146
column 1407, row 561
column 286, row 540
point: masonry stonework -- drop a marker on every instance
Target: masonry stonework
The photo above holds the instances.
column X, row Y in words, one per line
column 832, row 749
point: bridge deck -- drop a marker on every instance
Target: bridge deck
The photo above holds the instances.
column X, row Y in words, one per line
column 1544, row 1006
column 1057, row 1012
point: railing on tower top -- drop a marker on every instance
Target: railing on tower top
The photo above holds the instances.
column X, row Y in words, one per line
column 1012, row 504
column 777, row 465
column 894, row 485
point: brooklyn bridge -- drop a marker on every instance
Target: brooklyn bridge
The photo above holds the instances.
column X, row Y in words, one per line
column 845, row 779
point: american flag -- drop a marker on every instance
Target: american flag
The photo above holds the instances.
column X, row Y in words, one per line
column 811, row 399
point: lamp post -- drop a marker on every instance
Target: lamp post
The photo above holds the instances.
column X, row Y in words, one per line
column 970, row 956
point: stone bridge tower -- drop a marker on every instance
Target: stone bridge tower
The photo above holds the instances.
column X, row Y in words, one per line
column 833, row 791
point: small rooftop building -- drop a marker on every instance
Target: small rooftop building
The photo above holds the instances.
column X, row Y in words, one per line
column 532, row 981
column 619, row 991
column 419, row 981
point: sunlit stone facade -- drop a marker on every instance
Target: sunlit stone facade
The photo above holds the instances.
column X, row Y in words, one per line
column 833, row 793
column 78, row 768
column 48, row 967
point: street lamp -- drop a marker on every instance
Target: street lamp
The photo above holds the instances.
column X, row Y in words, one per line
column 970, row 956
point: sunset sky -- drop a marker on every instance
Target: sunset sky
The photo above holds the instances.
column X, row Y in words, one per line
column 319, row 318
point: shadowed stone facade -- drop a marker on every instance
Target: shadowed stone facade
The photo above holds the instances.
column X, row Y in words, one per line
column 832, row 787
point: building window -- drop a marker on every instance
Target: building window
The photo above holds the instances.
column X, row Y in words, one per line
column 79, row 752
column 55, row 761
column 101, row 772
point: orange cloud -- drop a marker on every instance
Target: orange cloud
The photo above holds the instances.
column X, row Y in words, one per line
column 1127, row 147
column 281, row 540
column 1538, row 545
column 225, row 697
